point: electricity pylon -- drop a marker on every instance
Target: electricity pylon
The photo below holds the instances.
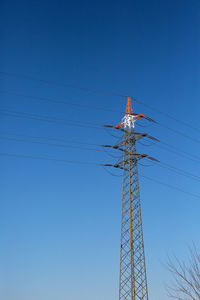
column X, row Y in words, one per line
column 133, row 278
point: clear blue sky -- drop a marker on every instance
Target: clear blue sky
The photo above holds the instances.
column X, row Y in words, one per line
column 60, row 223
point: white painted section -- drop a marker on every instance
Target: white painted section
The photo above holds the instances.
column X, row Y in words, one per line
column 128, row 121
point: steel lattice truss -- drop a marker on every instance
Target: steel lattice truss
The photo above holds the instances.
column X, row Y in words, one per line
column 133, row 281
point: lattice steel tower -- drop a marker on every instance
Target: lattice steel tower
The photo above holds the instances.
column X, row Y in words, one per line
column 133, row 279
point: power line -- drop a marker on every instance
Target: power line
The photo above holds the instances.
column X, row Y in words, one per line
column 179, row 171
column 170, row 186
column 44, row 99
column 99, row 92
column 191, row 157
column 91, row 163
column 47, row 138
column 178, row 153
column 175, row 150
column 167, row 115
column 63, row 85
column 48, row 159
column 180, row 150
column 96, row 108
column 161, row 164
column 47, row 117
column 23, row 115
column 49, row 144
column 179, row 132
column 53, row 100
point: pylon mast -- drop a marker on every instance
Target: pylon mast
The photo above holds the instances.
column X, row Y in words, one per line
column 133, row 279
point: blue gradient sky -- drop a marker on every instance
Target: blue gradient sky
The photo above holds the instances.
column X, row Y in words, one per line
column 60, row 224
